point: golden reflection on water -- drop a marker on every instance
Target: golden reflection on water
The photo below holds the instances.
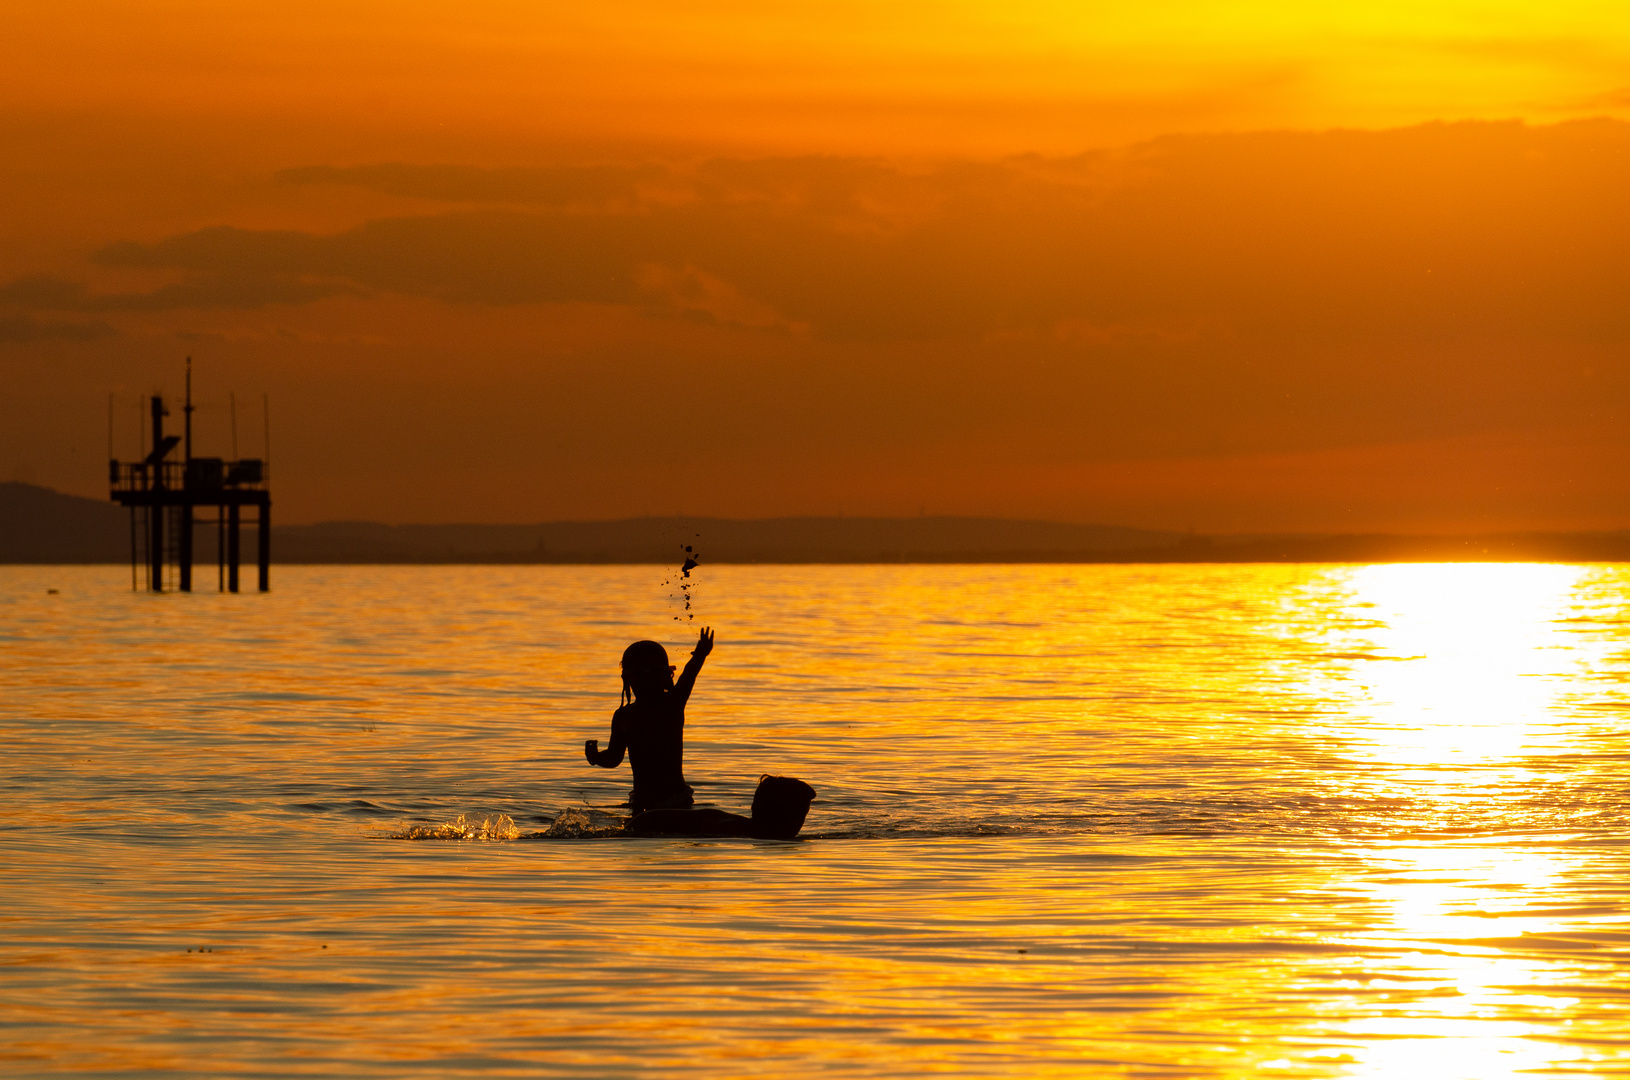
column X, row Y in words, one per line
column 1457, row 672
column 1471, row 997
column 1189, row 821
column 1467, row 661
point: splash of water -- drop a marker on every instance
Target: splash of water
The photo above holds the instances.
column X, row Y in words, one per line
column 575, row 824
column 462, row 828
column 686, row 583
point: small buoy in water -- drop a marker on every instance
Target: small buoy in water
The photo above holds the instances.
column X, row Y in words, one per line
column 1023, row 950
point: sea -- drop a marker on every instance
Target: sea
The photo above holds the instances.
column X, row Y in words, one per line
column 1072, row 821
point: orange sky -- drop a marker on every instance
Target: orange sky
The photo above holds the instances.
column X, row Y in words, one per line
column 1224, row 266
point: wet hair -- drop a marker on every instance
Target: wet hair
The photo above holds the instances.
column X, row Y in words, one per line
column 780, row 805
column 638, row 657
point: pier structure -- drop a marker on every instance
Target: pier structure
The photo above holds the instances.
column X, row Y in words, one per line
column 165, row 498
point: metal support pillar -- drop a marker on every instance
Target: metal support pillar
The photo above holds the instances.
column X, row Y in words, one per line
column 264, row 548
column 155, row 512
column 232, row 516
column 184, row 548
column 155, row 548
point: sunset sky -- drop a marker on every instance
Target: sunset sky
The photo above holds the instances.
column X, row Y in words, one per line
column 1236, row 267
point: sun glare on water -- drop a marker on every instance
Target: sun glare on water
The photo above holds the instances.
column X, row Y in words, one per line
column 1456, row 678
column 1459, row 665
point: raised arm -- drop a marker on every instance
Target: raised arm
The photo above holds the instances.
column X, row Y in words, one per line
column 693, row 667
column 611, row 756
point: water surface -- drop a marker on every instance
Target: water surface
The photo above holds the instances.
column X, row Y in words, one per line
column 1173, row 821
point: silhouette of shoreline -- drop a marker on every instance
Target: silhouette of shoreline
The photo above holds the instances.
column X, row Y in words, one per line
column 41, row 526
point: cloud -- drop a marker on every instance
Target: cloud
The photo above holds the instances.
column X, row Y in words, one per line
column 585, row 185
column 218, row 248
column 225, row 291
column 21, row 329
column 496, row 257
column 241, row 276
column 689, row 291
column 41, row 292
column 1458, row 231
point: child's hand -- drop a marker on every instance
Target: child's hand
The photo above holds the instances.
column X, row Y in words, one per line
column 704, row 643
column 591, row 750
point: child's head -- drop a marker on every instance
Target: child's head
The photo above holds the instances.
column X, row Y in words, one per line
column 646, row 669
column 780, row 805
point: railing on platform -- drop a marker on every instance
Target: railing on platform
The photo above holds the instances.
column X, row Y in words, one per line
column 198, row 475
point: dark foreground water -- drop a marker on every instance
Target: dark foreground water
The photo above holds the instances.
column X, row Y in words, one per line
column 1177, row 821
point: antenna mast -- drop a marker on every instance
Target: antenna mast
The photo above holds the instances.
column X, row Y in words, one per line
column 187, row 410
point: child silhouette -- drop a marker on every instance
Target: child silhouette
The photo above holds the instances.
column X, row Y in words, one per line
column 650, row 725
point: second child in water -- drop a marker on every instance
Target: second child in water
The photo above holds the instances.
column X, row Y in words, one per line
column 650, row 725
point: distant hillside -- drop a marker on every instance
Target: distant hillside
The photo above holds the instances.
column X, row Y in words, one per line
column 922, row 539
column 1382, row 548
column 722, row 540
column 38, row 525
